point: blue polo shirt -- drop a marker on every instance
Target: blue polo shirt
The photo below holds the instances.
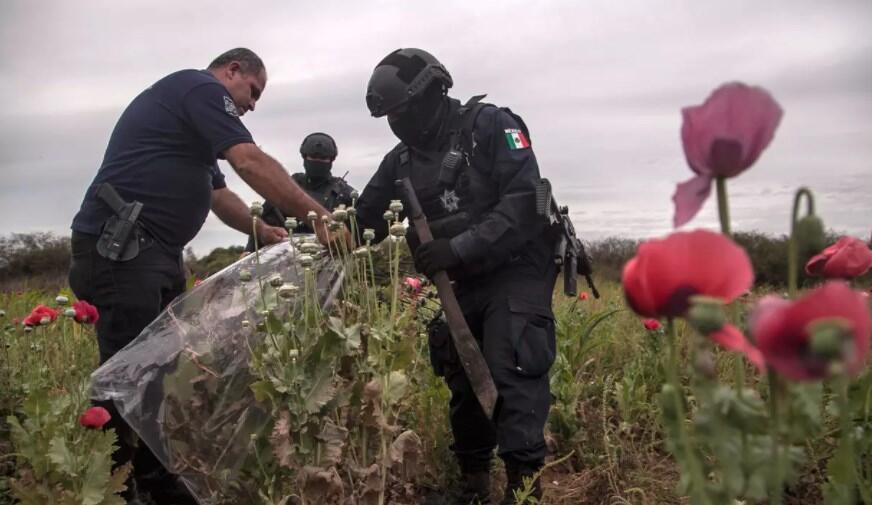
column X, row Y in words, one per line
column 163, row 152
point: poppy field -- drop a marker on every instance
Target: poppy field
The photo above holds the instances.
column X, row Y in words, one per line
column 683, row 383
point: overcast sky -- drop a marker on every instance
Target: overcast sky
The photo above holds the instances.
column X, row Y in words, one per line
column 599, row 83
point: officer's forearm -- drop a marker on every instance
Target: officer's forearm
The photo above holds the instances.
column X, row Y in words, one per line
column 267, row 177
column 231, row 210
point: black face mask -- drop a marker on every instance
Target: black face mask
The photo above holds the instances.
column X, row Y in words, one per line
column 418, row 125
column 317, row 170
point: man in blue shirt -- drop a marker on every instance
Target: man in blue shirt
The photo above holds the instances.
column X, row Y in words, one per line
column 163, row 153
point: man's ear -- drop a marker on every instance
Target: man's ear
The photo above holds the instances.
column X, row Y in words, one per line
column 234, row 67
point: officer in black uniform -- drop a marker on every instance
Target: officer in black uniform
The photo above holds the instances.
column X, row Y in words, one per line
column 318, row 151
column 475, row 175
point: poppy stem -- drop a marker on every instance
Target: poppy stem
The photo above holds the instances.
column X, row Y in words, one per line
column 792, row 244
column 723, row 206
column 776, row 481
column 847, row 428
column 685, row 451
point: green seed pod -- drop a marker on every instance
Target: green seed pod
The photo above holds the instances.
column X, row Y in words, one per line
column 71, row 313
column 361, row 252
column 246, row 324
column 44, row 320
column 368, row 234
column 706, row 314
column 62, row 300
column 809, row 235
column 291, row 223
column 355, row 195
column 396, row 206
column 256, row 209
column 312, row 215
column 340, row 214
column 398, row 230
column 309, row 248
column 830, row 338
column 2, row 313
column 288, row 291
column 276, row 280
column 388, row 215
column 245, row 275
column 352, row 211
column 306, row 260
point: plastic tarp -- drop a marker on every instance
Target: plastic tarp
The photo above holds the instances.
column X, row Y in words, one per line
column 183, row 383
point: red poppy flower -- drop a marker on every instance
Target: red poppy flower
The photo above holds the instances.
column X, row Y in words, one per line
column 413, row 284
column 781, row 331
column 85, row 312
column 723, row 137
column 665, row 273
column 651, row 324
column 197, row 282
column 583, row 296
column 94, row 417
column 38, row 314
column 846, row 259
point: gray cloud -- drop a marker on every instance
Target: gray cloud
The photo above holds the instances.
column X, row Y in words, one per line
column 601, row 85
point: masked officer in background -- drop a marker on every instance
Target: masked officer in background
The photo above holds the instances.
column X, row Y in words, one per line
column 475, row 175
column 319, row 152
column 157, row 183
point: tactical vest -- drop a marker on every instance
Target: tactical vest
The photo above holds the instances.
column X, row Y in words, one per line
column 452, row 194
column 329, row 193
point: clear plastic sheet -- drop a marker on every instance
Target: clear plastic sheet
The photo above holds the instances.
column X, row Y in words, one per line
column 183, row 383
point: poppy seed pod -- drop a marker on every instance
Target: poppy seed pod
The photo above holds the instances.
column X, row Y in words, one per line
column 810, row 235
column 396, row 206
column 706, row 314
column 256, row 209
column 291, row 223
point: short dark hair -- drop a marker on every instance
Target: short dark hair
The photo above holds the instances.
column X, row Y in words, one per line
column 248, row 61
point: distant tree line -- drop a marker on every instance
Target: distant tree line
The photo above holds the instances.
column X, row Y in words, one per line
column 40, row 260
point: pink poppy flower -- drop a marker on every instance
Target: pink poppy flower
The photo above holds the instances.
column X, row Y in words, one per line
column 847, row 258
column 85, row 312
column 723, row 137
column 39, row 314
column 782, row 331
column 651, row 324
column 664, row 274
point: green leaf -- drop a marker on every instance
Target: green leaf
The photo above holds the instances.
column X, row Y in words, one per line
column 321, row 391
column 60, row 455
column 95, row 484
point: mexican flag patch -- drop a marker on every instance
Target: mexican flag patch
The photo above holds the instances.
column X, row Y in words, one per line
column 516, row 138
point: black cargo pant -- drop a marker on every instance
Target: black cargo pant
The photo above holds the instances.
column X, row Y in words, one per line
column 129, row 295
column 510, row 316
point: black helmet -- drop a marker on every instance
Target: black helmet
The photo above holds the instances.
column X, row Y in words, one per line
column 319, row 145
column 401, row 76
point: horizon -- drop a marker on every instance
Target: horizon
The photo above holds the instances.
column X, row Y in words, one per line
column 600, row 85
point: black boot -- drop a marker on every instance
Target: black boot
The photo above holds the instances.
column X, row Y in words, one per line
column 475, row 488
column 515, row 474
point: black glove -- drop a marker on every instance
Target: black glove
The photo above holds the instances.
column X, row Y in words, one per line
column 435, row 256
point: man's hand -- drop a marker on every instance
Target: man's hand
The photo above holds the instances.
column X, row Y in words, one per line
column 325, row 236
column 267, row 235
column 435, row 256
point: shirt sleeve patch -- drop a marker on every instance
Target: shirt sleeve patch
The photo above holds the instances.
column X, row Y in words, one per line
column 230, row 106
column 516, row 139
